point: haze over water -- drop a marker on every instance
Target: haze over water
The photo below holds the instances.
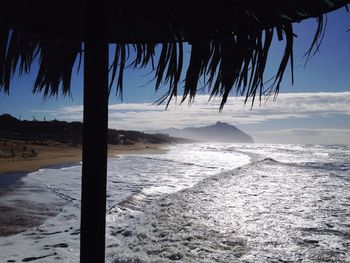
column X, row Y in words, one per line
column 201, row 203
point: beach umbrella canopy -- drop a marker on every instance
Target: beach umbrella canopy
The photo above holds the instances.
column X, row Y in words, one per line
column 229, row 42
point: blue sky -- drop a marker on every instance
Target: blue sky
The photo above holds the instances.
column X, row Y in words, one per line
column 327, row 72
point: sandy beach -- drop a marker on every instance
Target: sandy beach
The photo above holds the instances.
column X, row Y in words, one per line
column 21, row 156
column 18, row 158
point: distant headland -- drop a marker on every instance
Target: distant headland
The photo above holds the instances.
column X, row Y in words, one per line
column 219, row 132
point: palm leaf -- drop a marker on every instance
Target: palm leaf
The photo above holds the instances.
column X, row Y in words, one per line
column 230, row 55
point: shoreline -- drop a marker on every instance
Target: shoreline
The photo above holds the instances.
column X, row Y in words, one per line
column 56, row 154
column 13, row 220
column 10, row 179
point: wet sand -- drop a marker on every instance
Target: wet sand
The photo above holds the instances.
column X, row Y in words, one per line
column 18, row 215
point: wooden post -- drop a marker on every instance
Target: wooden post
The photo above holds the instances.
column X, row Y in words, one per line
column 95, row 129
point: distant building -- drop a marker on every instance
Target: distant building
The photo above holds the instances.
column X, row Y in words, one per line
column 121, row 139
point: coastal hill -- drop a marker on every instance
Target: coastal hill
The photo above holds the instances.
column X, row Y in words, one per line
column 69, row 132
column 219, row 132
column 26, row 146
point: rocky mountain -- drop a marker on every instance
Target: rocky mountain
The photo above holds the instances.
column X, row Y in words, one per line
column 219, row 132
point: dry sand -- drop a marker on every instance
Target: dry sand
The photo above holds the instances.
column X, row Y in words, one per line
column 21, row 156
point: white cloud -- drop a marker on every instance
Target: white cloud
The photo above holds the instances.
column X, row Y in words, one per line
column 145, row 116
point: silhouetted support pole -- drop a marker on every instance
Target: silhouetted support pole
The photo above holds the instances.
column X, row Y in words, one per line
column 95, row 129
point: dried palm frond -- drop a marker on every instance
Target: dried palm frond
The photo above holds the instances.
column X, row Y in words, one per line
column 230, row 43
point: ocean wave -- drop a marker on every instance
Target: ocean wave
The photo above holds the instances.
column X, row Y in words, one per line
column 179, row 162
column 260, row 212
column 190, row 205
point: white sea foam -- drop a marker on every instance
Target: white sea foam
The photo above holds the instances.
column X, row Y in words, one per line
column 285, row 202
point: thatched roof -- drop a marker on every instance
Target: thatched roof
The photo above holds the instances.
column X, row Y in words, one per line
column 230, row 41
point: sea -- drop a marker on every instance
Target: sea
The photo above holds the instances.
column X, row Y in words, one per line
column 207, row 202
